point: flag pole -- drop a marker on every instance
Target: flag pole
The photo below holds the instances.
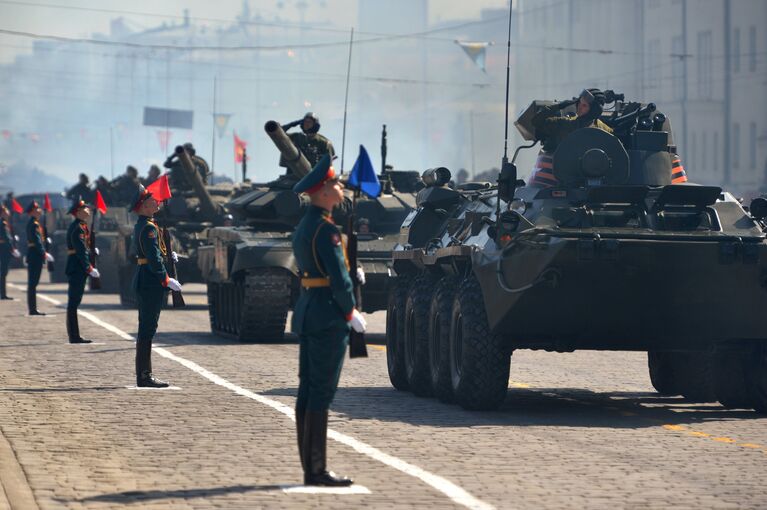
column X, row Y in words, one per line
column 213, row 133
column 346, row 98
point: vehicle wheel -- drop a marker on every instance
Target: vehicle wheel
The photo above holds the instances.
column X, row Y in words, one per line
column 663, row 369
column 730, row 385
column 440, row 310
column 696, row 381
column 416, row 335
column 259, row 305
column 395, row 325
column 479, row 360
column 756, row 375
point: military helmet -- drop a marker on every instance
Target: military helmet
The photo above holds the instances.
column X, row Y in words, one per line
column 189, row 148
column 315, row 118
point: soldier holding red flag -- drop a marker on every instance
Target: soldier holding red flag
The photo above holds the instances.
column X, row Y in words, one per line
column 78, row 266
column 36, row 255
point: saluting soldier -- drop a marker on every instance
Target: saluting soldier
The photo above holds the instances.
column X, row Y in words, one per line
column 36, row 255
column 309, row 141
column 322, row 318
column 150, row 282
column 78, row 267
column 7, row 248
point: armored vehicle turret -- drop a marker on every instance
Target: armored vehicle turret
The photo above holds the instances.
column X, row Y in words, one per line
column 250, row 270
column 610, row 256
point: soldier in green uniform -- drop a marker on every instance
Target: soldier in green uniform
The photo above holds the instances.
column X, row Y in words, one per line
column 178, row 180
column 552, row 127
column 309, row 141
column 150, row 282
column 36, row 255
column 322, row 317
column 78, row 267
column 7, row 248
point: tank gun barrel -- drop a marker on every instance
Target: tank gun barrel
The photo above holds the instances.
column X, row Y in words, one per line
column 207, row 205
column 296, row 161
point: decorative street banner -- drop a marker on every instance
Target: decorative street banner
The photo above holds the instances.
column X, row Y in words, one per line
column 239, row 148
column 476, row 51
column 164, row 138
column 7, row 134
column 167, row 118
column 221, row 120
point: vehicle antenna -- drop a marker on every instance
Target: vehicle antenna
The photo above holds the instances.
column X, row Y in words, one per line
column 505, row 161
column 346, row 99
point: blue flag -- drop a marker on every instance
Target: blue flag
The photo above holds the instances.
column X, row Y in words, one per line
column 363, row 176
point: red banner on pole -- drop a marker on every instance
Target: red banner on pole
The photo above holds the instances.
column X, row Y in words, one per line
column 99, row 203
column 47, row 207
column 16, row 206
column 239, row 148
column 160, row 189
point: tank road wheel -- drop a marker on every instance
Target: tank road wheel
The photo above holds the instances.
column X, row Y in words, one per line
column 730, row 384
column 395, row 325
column 260, row 305
column 756, row 375
column 440, row 309
column 664, row 371
column 479, row 360
column 416, row 335
column 696, row 377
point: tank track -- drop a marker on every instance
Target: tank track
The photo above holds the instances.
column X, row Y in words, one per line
column 252, row 309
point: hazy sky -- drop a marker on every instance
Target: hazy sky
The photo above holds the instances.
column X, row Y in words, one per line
column 80, row 18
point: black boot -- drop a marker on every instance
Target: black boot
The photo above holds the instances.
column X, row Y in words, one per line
column 144, row 377
column 73, row 328
column 32, row 302
column 3, row 293
column 300, row 418
column 315, row 451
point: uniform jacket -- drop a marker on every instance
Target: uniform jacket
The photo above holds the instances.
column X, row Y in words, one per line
column 6, row 239
column 320, row 253
column 35, row 246
column 78, row 248
column 149, row 247
column 313, row 147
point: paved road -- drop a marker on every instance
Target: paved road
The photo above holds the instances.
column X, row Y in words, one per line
column 581, row 430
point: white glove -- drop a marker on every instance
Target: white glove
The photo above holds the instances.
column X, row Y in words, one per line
column 49, row 257
column 174, row 257
column 16, row 253
column 174, row 285
column 358, row 322
column 16, row 238
column 94, row 273
column 48, row 240
column 360, row 275
column 97, row 251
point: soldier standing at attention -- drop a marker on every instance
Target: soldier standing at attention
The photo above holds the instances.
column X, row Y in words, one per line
column 36, row 255
column 309, row 141
column 150, row 282
column 78, row 267
column 7, row 248
column 552, row 128
column 322, row 318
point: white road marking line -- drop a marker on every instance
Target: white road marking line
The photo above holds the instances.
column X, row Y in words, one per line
column 308, row 489
column 446, row 487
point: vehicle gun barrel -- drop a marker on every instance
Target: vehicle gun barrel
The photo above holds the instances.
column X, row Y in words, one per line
column 296, row 161
column 208, row 207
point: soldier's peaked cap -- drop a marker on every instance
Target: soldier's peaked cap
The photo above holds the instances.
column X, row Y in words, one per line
column 140, row 197
column 32, row 206
column 76, row 206
column 313, row 181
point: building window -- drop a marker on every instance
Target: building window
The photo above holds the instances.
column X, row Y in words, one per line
column 752, row 49
column 736, row 145
column 752, row 145
column 704, row 64
column 677, row 78
column 736, row 50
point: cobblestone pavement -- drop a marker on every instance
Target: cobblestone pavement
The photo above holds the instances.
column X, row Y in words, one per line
column 580, row 430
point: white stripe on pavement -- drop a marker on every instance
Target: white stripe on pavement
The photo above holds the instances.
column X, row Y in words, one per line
column 446, row 487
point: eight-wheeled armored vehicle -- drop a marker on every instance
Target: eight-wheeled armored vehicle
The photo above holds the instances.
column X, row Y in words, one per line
column 612, row 257
column 250, row 270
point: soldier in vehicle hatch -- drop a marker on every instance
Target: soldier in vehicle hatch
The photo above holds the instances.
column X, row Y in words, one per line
column 309, row 141
column 178, row 180
column 81, row 190
column 552, row 127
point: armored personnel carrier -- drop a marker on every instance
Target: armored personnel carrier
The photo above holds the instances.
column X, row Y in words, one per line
column 250, row 270
column 613, row 256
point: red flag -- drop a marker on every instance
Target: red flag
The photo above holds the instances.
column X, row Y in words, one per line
column 47, row 207
column 160, row 189
column 99, row 203
column 16, row 206
column 239, row 148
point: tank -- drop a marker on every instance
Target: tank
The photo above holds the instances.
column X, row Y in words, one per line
column 251, row 275
column 613, row 257
column 193, row 209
